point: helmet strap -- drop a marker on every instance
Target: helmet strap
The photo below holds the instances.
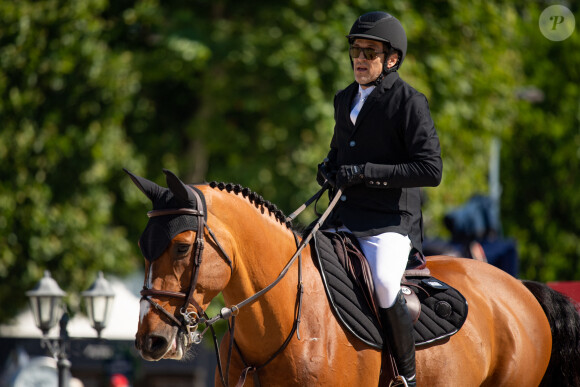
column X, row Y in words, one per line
column 386, row 70
column 377, row 81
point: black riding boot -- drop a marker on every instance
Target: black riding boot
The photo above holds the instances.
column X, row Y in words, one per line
column 398, row 332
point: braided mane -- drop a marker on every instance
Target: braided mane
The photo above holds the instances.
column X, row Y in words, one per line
column 255, row 199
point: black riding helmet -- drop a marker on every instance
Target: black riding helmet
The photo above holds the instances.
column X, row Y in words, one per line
column 382, row 27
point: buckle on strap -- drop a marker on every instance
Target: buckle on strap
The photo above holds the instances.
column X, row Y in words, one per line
column 191, row 323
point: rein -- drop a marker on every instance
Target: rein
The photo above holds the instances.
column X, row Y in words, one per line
column 191, row 320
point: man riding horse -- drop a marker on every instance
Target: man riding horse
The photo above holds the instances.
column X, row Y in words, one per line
column 384, row 148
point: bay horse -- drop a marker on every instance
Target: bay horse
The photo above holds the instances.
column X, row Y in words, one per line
column 285, row 333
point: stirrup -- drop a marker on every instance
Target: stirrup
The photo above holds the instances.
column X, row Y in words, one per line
column 399, row 381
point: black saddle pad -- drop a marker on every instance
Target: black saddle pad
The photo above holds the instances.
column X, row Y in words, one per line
column 443, row 308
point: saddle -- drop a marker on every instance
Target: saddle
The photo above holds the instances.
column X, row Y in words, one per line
column 437, row 309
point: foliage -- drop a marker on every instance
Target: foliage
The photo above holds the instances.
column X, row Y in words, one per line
column 237, row 93
column 233, row 91
column 64, row 95
column 461, row 67
column 541, row 160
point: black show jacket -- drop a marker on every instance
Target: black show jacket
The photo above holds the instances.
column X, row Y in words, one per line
column 395, row 138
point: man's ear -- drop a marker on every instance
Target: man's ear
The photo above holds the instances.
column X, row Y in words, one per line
column 392, row 60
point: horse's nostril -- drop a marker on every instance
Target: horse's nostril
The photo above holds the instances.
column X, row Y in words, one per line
column 155, row 343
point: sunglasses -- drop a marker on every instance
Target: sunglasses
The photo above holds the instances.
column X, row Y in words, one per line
column 369, row 53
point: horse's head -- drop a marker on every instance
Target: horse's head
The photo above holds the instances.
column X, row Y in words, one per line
column 178, row 287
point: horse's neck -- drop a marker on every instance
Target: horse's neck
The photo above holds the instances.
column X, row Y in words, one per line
column 263, row 247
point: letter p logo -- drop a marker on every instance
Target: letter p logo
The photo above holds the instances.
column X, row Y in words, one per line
column 557, row 20
column 557, row 23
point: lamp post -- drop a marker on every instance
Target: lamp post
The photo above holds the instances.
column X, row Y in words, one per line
column 99, row 299
column 47, row 308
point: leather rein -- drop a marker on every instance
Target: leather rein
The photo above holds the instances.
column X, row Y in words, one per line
column 190, row 320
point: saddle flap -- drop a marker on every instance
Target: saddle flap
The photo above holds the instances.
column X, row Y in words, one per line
column 356, row 265
column 347, row 299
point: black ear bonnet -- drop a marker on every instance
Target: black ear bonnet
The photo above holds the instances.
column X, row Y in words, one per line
column 160, row 230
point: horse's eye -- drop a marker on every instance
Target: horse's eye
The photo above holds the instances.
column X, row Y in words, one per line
column 182, row 249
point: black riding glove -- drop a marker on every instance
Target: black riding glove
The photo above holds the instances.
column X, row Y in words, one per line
column 349, row 175
column 326, row 172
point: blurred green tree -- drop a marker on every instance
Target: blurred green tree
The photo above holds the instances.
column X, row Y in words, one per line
column 64, row 96
column 541, row 160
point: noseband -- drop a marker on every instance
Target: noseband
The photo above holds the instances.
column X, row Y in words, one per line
column 189, row 319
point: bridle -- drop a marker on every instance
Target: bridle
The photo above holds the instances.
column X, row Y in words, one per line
column 190, row 320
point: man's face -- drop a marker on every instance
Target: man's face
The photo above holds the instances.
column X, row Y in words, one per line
column 365, row 70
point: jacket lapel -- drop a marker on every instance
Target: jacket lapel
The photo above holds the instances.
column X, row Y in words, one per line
column 387, row 83
column 367, row 106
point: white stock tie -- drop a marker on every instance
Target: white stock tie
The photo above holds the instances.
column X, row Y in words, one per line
column 356, row 109
column 362, row 97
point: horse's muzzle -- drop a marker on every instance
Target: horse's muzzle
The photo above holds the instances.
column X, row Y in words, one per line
column 155, row 346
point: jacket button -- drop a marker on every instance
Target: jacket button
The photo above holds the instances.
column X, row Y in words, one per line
column 371, row 182
column 385, row 183
column 343, row 198
column 352, row 143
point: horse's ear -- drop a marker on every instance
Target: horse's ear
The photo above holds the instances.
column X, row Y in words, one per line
column 179, row 189
column 149, row 188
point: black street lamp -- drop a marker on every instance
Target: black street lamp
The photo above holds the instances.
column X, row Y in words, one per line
column 47, row 308
column 99, row 300
column 46, row 303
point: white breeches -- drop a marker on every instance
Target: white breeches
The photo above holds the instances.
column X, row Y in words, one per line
column 387, row 255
